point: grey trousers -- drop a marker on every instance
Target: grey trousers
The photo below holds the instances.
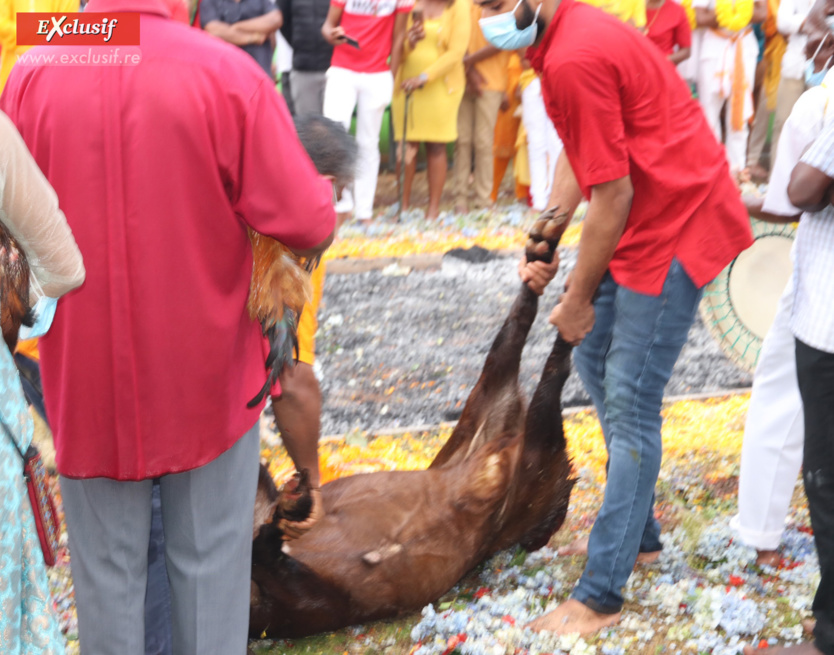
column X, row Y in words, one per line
column 308, row 91
column 207, row 516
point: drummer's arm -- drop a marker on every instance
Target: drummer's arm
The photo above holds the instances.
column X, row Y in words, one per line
column 810, row 189
column 754, row 206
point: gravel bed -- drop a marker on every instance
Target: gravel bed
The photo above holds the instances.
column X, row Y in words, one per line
column 400, row 348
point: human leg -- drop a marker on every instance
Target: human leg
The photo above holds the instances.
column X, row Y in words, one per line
column 437, row 167
column 308, row 91
column 207, row 516
column 108, row 525
column 771, row 452
column 340, row 98
column 647, row 336
column 462, row 166
column 815, row 372
column 486, row 113
column 787, row 95
column 158, row 640
column 409, row 160
column 590, row 361
column 758, row 133
column 375, row 92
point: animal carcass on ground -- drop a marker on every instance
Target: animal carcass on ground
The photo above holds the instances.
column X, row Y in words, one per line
column 392, row 542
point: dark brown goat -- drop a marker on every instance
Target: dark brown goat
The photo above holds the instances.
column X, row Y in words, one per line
column 392, row 542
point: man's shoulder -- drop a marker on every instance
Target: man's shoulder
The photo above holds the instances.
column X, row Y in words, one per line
column 188, row 51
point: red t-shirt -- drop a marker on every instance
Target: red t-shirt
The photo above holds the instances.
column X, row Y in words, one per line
column 621, row 109
column 160, row 168
column 669, row 27
column 371, row 23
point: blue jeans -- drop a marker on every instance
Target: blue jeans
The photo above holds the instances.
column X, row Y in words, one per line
column 625, row 363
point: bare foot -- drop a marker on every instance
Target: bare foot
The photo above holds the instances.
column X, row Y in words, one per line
column 573, row 617
column 768, row 558
column 802, row 649
column 808, row 625
column 460, row 208
column 580, row 547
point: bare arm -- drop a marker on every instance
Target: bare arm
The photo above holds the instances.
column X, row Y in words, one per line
column 754, row 208
column 233, row 34
column 705, row 17
column 484, row 53
column 809, row 188
column 680, row 55
column 400, row 21
column 315, row 251
column 604, row 224
column 332, row 32
column 266, row 24
column 566, row 195
column 759, row 11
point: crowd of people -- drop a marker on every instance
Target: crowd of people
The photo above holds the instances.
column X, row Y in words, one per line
column 652, row 112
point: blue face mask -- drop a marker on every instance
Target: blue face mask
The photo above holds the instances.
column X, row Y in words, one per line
column 502, row 32
column 812, row 78
column 44, row 311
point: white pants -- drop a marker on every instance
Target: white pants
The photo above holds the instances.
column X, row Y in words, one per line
column 715, row 72
column 370, row 94
column 543, row 144
column 771, row 454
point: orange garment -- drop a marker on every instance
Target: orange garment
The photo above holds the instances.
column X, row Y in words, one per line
column 494, row 68
column 506, row 126
column 775, row 46
column 738, row 86
column 29, row 348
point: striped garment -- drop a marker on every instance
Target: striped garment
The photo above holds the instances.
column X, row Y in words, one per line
column 812, row 321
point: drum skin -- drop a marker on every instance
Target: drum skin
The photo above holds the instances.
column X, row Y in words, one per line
column 739, row 305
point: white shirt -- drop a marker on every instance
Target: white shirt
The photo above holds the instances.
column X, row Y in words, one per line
column 812, row 111
column 812, row 319
column 789, row 19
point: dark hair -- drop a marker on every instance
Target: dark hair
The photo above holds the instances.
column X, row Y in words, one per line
column 328, row 144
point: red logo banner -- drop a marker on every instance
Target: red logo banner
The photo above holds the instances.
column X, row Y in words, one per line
column 120, row 28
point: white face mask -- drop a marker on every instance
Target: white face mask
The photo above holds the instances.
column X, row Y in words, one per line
column 812, row 78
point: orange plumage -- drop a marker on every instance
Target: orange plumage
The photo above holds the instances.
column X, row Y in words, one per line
column 279, row 281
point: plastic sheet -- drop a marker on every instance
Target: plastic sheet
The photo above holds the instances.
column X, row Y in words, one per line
column 29, row 210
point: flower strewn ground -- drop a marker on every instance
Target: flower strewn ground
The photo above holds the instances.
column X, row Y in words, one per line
column 705, row 594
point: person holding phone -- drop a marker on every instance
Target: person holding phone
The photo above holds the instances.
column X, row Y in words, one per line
column 432, row 72
column 368, row 45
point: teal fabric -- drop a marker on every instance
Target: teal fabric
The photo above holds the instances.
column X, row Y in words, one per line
column 28, row 625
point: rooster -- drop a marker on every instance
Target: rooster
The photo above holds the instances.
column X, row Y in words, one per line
column 15, row 309
column 280, row 285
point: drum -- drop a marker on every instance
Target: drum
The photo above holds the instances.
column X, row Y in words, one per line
column 739, row 305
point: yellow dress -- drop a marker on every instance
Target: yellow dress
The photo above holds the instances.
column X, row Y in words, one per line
column 433, row 109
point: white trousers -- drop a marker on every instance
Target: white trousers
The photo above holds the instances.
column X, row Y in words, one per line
column 369, row 94
column 543, row 144
column 715, row 72
column 771, row 453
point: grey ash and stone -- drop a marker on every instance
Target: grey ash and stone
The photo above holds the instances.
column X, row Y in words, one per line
column 426, row 333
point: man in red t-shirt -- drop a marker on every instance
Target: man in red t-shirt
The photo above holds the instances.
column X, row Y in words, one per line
column 664, row 218
column 364, row 33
